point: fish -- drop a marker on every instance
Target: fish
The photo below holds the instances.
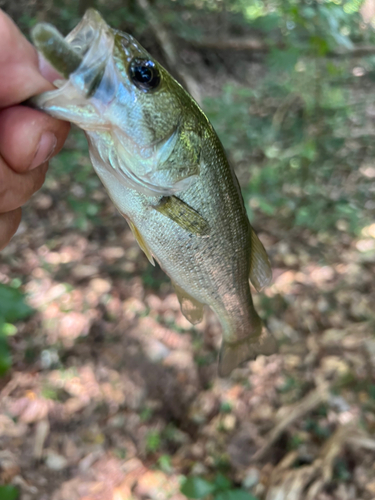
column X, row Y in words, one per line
column 167, row 173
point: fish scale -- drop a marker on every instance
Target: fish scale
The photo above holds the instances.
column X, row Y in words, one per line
column 166, row 171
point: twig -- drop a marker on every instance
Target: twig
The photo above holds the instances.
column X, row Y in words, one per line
column 41, row 433
column 236, row 44
column 362, row 442
column 257, row 45
column 296, row 411
column 308, row 481
column 168, row 48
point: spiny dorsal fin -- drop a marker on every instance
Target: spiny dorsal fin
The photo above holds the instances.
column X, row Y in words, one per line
column 141, row 242
column 185, row 216
column 190, row 307
column 260, row 267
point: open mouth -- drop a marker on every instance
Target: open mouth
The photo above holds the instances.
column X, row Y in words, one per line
column 82, row 55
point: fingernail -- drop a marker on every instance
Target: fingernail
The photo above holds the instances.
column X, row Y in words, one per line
column 45, row 149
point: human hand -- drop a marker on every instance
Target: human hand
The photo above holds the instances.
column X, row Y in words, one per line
column 28, row 138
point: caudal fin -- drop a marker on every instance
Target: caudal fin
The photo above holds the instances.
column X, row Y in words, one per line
column 233, row 354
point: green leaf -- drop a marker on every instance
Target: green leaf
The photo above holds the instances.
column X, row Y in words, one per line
column 266, row 207
column 9, row 492
column 284, row 60
column 153, row 441
column 319, row 45
column 343, row 40
column 234, row 495
column 222, row 483
column 196, row 487
column 5, row 358
column 12, row 305
column 8, row 329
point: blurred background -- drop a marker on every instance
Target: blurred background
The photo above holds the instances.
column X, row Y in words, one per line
column 107, row 392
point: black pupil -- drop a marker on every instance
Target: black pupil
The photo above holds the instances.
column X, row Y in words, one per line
column 144, row 74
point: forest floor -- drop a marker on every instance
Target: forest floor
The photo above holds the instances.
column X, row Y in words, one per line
column 114, row 395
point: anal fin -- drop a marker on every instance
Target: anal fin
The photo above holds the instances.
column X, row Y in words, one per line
column 190, row 307
column 141, row 242
column 260, row 267
column 185, row 216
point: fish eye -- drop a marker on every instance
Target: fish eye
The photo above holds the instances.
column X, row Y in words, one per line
column 144, row 74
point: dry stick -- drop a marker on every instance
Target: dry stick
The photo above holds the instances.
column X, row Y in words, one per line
column 236, row 44
column 362, row 442
column 309, row 480
column 169, row 51
column 296, row 411
column 41, row 433
column 347, row 434
column 257, row 45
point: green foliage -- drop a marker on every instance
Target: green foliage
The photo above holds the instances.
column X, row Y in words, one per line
column 236, row 494
column 73, row 164
column 196, row 487
column 225, row 407
column 292, row 131
column 220, row 488
column 9, row 492
column 12, row 308
column 294, row 138
column 145, row 414
column 294, row 442
column 153, row 441
column 313, row 426
column 164, row 462
column 153, row 277
column 12, row 304
column 342, row 470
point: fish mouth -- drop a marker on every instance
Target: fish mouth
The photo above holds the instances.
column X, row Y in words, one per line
column 90, row 84
column 82, row 56
column 87, row 32
column 93, row 40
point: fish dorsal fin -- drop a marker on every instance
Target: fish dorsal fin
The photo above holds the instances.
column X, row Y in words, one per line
column 260, row 267
column 190, row 307
column 141, row 242
column 185, row 216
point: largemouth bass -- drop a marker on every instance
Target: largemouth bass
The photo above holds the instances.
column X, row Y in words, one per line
column 167, row 173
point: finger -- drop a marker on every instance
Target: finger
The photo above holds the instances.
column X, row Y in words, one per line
column 29, row 137
column 16, row 189
column 9, row 223
column 20, row 78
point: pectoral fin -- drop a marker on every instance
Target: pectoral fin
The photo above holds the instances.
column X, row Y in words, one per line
column 141, row 242
column 260, row 267
column 190, row 308
column 185, row 216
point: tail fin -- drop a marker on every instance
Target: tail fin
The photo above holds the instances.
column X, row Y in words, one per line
column 233, row 354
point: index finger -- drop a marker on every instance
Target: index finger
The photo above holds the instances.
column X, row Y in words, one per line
column 20, row 78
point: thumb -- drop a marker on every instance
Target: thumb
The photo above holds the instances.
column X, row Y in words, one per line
column 20, row 77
